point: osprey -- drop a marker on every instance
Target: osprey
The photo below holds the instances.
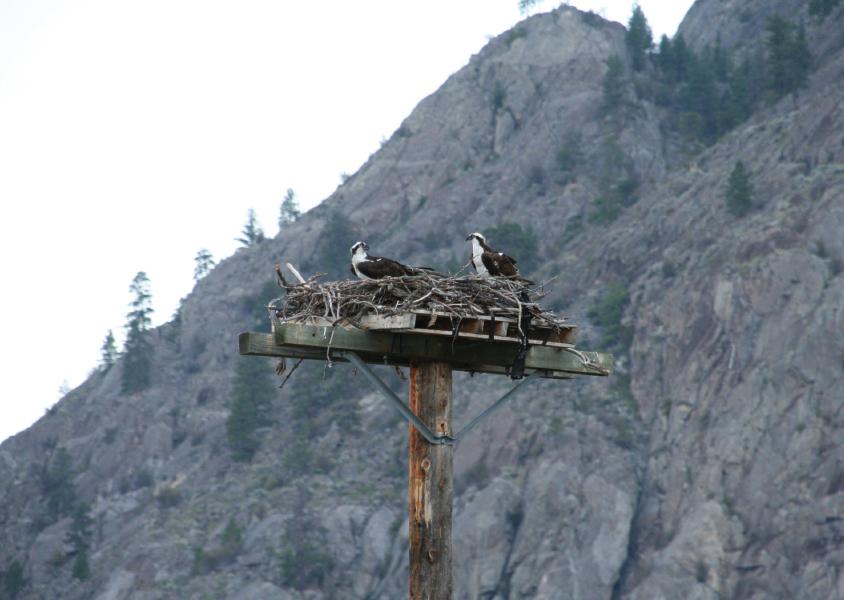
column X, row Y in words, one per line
column 365, row 266
column 489, row 262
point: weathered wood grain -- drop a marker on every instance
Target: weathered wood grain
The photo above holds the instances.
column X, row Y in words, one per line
column 264, row 344
column 460, row 353
column 431, row 484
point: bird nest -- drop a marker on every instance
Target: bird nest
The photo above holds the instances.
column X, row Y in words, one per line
column 468, row 297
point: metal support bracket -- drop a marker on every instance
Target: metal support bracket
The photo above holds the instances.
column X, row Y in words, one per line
column 408, row 414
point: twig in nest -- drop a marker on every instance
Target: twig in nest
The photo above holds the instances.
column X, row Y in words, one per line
column 456, row 297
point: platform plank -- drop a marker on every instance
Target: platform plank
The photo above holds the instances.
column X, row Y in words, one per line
column 381, row 347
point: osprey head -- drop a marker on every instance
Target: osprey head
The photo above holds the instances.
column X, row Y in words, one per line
column 359, row 246
column 476, row 236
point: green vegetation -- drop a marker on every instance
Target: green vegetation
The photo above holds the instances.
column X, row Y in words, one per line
column 639, row 38
column 499, row 96
column 303, row 560
column 822, row 8
column 708, row 95
column 526, row 5
column 607, row 314
column 79, row 538
column 56, row 483
column 12, row 580
column 516, row 241
column 739, row 191
column 614, row 84
column 570, row 154
column 321, row 397
column 289, row 212
column 250, row 405
column 617, row 181
column 515, row 34
column 615, row 197
column 252, row 232
column 168, row 496
column 203, row 263
column 332, row 251
column 230, row 545
column 789, row 59
column 108, row 352
column 137, row 360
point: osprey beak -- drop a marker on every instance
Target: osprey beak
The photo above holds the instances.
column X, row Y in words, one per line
column 469, row 238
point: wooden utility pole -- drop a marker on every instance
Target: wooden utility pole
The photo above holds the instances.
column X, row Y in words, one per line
column 431, row 484
column 473, row 345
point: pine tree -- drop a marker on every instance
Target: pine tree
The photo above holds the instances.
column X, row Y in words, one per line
column 56, row 481
column 251, row 401
column 526, row 5
column 203, row 262
column 822, row 8
column 338, row 232
column 639, row 37
column 252, row 232
column 801, row 59
column 739, row 191
column 682, row 57
column 81, row 567
column 614, row 84
column 108, row 352
column 665, row 56
column 289, row 211
column 789, row 59
column 721, row 64
column 779, row 46
column 12, row 580
column 79, row 533
column 700, row 96
column 137, row 359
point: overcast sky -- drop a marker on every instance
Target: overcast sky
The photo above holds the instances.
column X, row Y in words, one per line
column 132, row 134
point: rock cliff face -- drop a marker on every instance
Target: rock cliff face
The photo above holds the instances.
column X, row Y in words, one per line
column 709, row 466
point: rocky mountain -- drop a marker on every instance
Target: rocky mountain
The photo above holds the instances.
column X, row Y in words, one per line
column 709, row 466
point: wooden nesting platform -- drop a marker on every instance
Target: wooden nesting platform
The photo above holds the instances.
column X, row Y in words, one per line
column 481, row 344
column 492, row 327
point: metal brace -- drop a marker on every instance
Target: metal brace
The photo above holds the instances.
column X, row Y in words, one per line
column 408, row 414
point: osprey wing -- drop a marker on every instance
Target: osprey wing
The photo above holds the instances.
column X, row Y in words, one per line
column 378, row 266
column 498, row 264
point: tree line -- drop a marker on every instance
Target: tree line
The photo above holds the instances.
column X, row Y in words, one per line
column 137, row 351
column 710, row 92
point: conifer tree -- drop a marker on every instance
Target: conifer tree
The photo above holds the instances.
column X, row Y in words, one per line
column 700, row 97
column 108, row 351
column 56, row 480
column 665, row 55
column 526, row 5
column 252, row 232
column 789, row 59
column 721, row 66
column 739, row 191
column 250, row 404
column 614, row 84
column 779, row 45
column 12, row 580
column 682, row 57
column 289, row 211
column 822, row 8
column 639, row 37
column 801, row 59
column 79, row 538
column 203, row 263
column 338, row 232
column 137, row 359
